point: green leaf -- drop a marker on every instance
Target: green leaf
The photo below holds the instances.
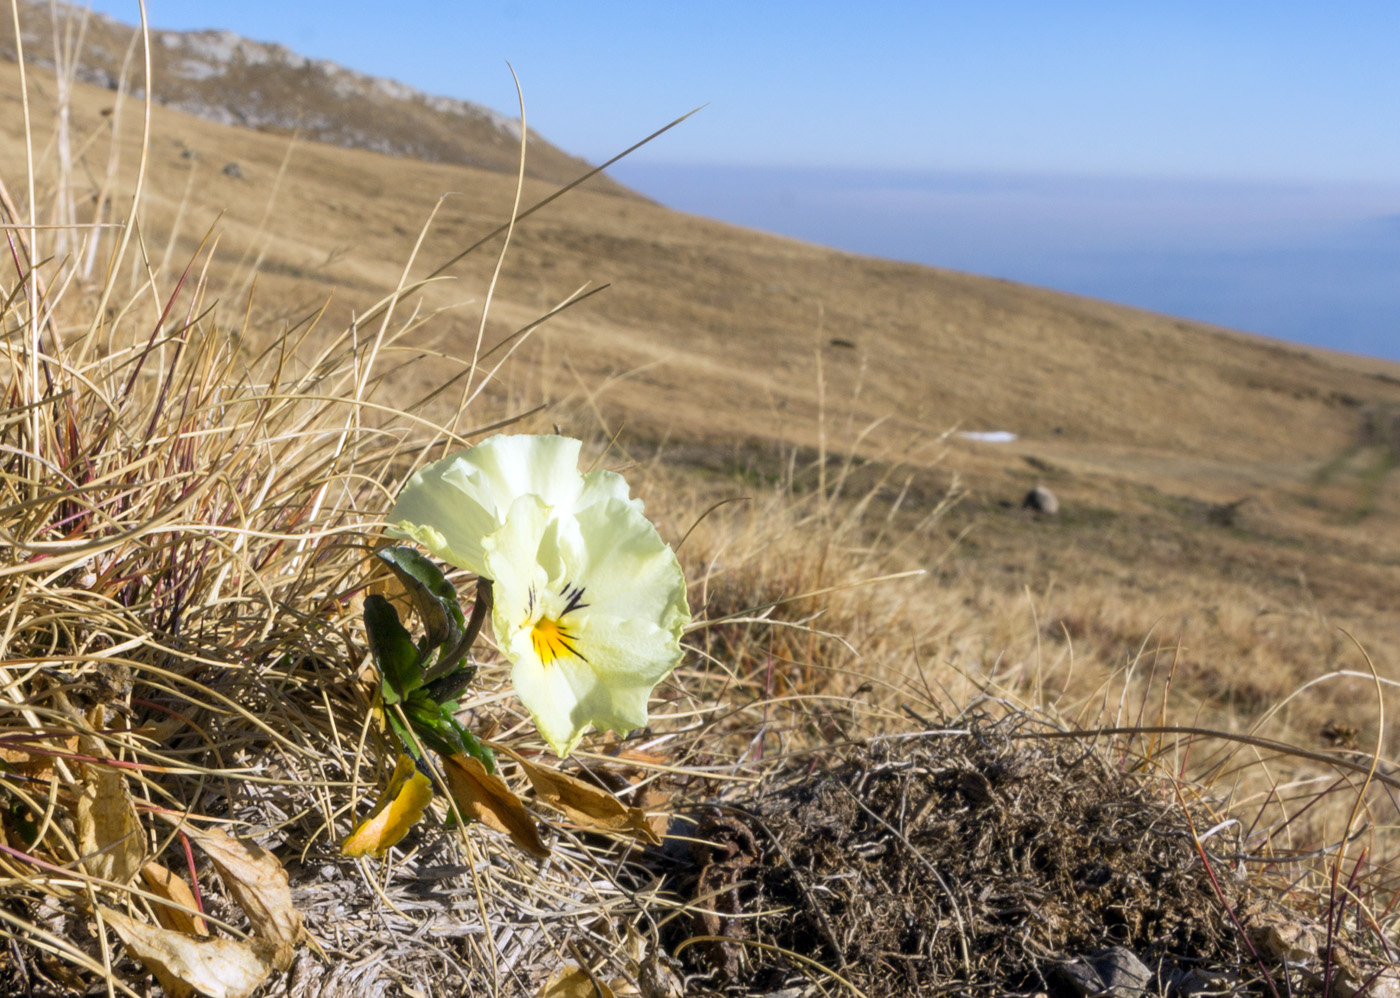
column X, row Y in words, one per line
column 470, row 744
column 434, row 724
column 433, row 596
column 477, row 749
column 407, row 739
column 446, row 688
column 395, row 655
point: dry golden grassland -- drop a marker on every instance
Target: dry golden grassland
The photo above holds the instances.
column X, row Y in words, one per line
column 210, row 403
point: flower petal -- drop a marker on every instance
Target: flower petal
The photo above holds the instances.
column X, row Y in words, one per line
column 511, row 465
column 522, row 559
column 398, row 810
column 434, row 510
column 562, row 697
column 607, row 687
column 600, row 486
column 582, row 577
column 452, row 504
column 628, row 569
column 625, row 630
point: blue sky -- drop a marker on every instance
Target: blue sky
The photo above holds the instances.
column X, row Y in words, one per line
column 1214, row 88
column 1228, row 160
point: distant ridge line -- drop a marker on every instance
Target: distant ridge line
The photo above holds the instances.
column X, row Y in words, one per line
column 223, row 77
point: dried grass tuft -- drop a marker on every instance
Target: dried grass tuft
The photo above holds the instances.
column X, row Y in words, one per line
column 186, row 535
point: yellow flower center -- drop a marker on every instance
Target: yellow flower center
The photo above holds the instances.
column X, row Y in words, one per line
column 552, row 640
column 550, row 635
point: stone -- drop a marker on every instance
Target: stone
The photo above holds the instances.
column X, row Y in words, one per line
column 1076, row 979
column 1113, row 973
column 1121, row 970
column 1205, row 983
column 1042, row 500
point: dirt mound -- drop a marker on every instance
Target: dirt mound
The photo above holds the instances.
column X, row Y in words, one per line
column 973, row 861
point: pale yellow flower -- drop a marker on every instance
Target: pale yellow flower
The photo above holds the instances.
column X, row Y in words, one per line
column 589, row 600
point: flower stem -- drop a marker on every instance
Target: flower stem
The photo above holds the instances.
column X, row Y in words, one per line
column 449, row 660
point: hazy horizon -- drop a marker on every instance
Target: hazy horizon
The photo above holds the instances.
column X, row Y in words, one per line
column 1313, row 263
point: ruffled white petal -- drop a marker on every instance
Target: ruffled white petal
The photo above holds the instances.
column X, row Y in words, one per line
column 607, row 687
column 452, row 504
column 625, row 625
column 556, row 695
column 600, row 486
column 433, row 510
column 513, row 561
column 631, row 571
column 508, row 466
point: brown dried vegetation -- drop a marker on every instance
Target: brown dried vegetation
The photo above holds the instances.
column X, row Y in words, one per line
column 968, row 860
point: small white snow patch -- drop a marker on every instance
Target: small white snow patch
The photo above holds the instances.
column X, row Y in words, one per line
column 989, row 436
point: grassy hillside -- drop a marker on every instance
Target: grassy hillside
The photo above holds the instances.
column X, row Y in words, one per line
column 742, row 355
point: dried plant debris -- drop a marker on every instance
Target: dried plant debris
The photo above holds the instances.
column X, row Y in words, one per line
column 973, row 862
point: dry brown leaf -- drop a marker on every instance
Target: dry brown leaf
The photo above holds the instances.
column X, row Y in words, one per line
column 184, row 965
column 584, row 804
column 575, row 982
column 399, row 809
column 486, row 798
column 36, row 764
column 259, row 884
column 164, row 882
column 110, row 836
column 656, row 801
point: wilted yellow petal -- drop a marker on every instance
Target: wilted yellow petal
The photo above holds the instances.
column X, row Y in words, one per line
column 398, row 810
column 575, row 982
column 485, row 797
column 586, row 804
column 184, row 965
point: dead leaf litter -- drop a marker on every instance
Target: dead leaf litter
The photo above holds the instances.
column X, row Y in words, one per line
column 982, row 861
